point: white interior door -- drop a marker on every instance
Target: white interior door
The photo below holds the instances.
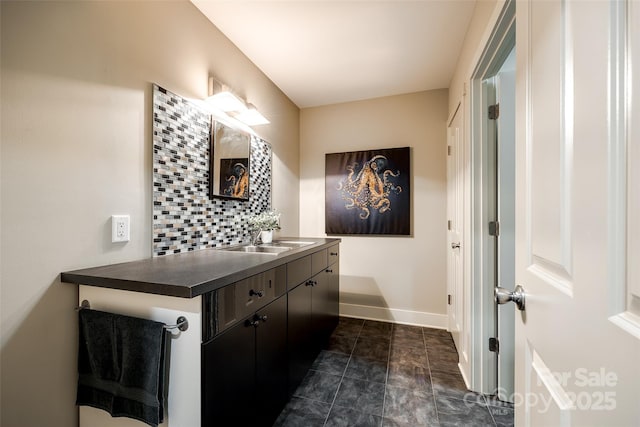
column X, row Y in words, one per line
column 578, row 341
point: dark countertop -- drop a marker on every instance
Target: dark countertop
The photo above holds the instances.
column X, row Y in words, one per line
column 189, row 274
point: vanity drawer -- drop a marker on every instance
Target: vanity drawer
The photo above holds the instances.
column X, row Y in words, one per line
column 319, row 261
column 279, row 277
column 334, row 254
column 226, row 306
column 253, row 293
column 298, row 271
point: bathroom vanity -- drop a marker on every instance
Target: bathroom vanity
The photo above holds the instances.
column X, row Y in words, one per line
column 257, row 319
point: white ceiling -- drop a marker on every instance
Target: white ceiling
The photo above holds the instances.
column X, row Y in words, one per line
column 332, row 51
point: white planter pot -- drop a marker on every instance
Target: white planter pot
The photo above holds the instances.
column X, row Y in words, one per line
column 266, row 236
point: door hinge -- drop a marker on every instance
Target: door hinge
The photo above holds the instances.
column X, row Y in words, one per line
column 448, row 150
column 494, row 111
column 449, row 299
column 449, row 225
column 494, row 228
column 494, row 345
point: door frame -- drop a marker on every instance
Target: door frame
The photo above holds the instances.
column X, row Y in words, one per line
column 455, row 228
column 482, row 306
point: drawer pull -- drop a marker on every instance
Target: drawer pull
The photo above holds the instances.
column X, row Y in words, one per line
column 261, row 317
column 328, row 270
column 311, row 283
column 333, row 253
column 259, row 294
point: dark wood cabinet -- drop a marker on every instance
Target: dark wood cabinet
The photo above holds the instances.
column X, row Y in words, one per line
column 245, row 370
column 228, row 377
column 300, row 342
column 325, row 304
column 271, row 361
column 264, row 317
column 261, row 336
column 313, row 314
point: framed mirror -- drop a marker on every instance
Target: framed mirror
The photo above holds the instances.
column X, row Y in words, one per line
column 229, row 162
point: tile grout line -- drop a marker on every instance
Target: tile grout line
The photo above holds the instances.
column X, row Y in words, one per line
column 433, row 392
column 484, row 397
column 342, row 377
column 386, row 377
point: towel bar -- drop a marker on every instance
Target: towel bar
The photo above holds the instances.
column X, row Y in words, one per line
column 181, row 322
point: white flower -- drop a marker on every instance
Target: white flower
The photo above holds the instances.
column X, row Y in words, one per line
column 267, row 220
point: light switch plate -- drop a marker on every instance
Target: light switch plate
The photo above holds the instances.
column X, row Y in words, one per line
column 120, row 228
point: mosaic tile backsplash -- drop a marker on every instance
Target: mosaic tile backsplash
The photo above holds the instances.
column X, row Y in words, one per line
column 184, row 217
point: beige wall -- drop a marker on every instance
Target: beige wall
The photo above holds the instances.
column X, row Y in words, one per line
column 480, row 27
column 399, row 277
column 76, row 148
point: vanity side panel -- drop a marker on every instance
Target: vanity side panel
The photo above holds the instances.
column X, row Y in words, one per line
column 184, row 398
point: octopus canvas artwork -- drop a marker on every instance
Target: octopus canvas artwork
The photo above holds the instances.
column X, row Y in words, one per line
column 367, row 192
column 234, row 178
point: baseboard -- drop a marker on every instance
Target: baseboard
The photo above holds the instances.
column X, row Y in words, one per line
column 467, row 383
column 393, row 315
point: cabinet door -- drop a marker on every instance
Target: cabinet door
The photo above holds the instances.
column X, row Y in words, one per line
column 299, row 339
column 271, row 361
column 228, row 377
column 325, row 304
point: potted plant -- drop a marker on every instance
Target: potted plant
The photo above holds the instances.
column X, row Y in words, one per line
column 264, row 224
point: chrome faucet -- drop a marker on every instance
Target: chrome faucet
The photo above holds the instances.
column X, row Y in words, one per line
column 254, row 239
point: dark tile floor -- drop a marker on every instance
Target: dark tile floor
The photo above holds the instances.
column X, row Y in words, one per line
column 382, row 374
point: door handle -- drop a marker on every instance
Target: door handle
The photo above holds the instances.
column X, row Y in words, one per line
column 503, row 296
column 455, row 245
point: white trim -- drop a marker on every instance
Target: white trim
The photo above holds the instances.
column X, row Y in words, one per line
column 618, row 114
column 394, row 315
column 467, row 383
column 496, row 48
column 628, row 322
column 486, row 37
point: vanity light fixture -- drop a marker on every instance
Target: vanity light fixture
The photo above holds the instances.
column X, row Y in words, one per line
column 223, row 99
column 251, row 116
column 227, row 102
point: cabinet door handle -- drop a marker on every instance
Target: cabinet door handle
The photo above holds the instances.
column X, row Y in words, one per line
column 253, row 323
column 311, row 283
column 259, row 294
column 333, row 253
column 263, row 317
column 328, row 270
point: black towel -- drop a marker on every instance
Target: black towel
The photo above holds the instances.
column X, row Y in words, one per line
column 121, row 365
